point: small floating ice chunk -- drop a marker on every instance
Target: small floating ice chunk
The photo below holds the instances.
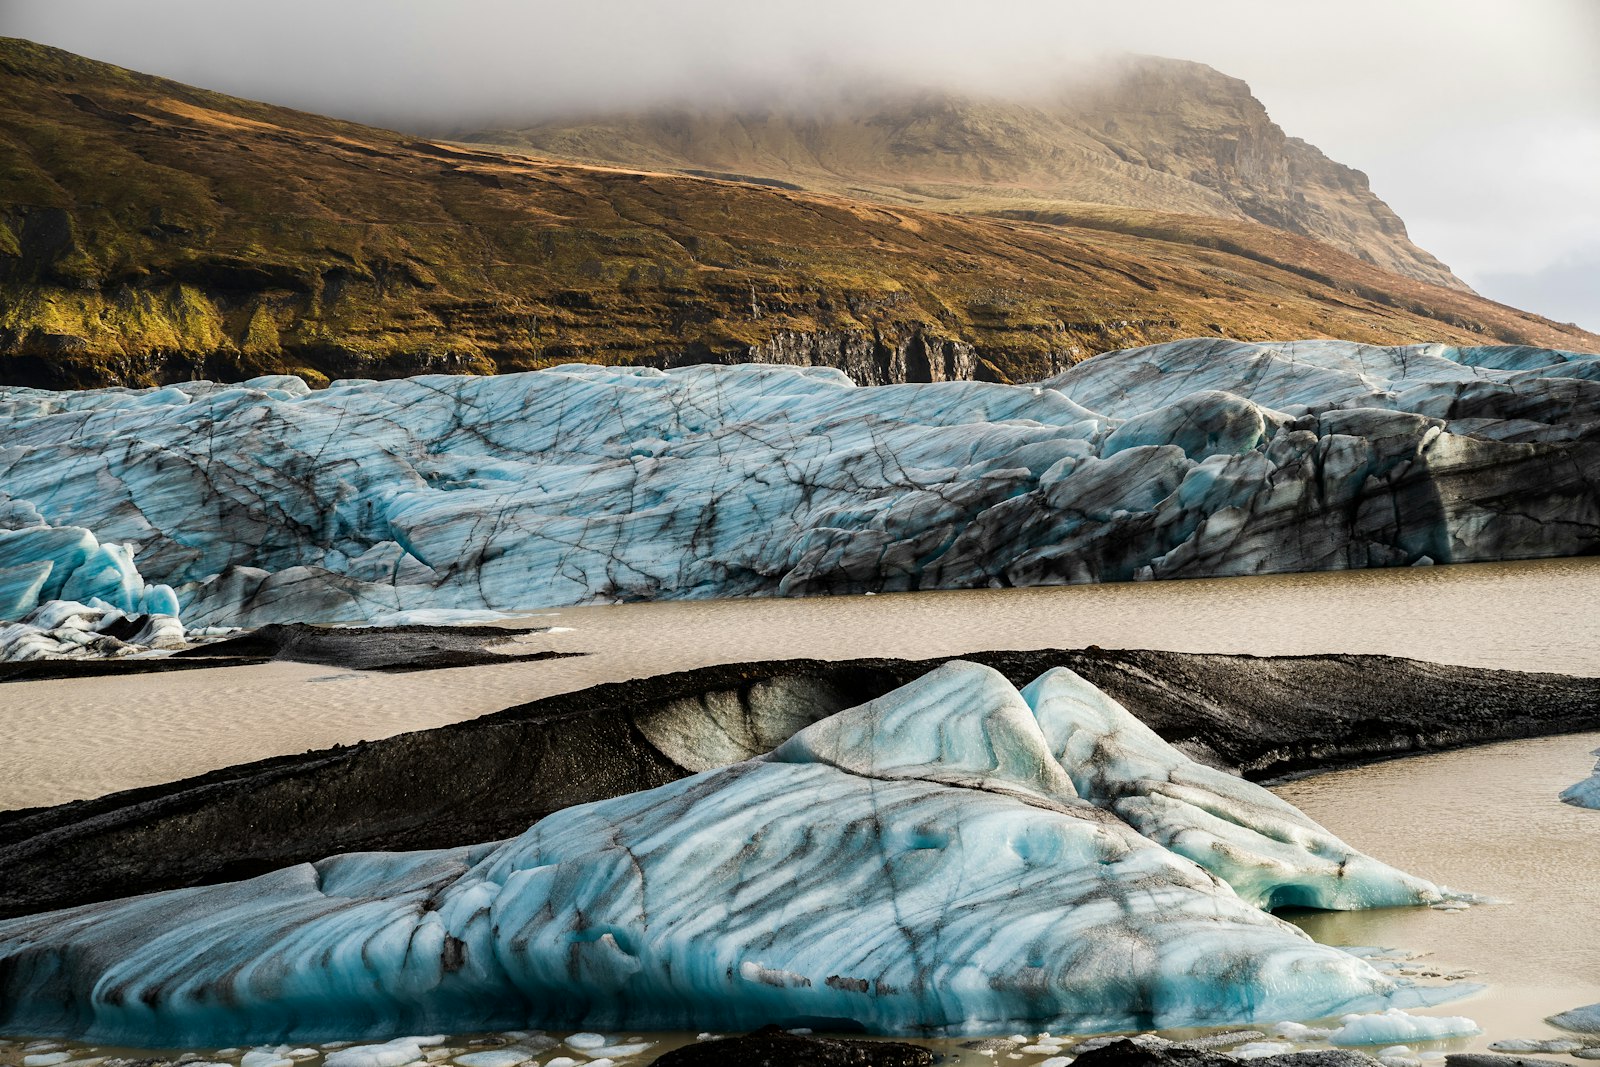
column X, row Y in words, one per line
column 1395, row 1025
column 563, row 1061
column 1399, row 1060
column 623, row 1051
column 500, row 1057
column 264, row 1057
column 394, row 1053
column 585, row 1041
column 1256, row 1050
column 1056, row 1061
column 46, row 1059
column 1586, row 794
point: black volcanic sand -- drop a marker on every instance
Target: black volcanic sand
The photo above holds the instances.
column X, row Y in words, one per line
column 364, row 648
column 491, row 777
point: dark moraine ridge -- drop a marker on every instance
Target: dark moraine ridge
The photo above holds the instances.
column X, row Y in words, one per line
column 491, row 777
column 390, row 649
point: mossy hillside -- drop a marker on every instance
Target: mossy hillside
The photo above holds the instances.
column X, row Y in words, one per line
column 150, row 232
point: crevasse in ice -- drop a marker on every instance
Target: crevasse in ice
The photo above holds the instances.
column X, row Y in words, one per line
column 954, row 856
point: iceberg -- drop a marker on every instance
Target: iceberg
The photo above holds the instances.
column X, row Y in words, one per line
column 1585, row 794
column 66, row 629
column 267, row 502
column 951, row 857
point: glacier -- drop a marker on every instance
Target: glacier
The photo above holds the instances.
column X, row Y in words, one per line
column 268, row 502
column 955, row 856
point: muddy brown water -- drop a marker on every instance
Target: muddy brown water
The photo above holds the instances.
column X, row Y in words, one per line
column 70, row 739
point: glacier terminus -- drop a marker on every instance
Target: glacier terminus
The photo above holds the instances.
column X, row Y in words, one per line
column 238, row 505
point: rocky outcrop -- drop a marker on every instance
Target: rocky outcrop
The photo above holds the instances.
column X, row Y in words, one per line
column 490, row 777
column 1196, row 123
column 873, row 358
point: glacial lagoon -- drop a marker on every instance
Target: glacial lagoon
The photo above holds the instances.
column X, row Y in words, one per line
column 70, row 739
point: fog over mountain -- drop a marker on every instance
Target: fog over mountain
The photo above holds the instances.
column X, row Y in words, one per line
column 1478, row 121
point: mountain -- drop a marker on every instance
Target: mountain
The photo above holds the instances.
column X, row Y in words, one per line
column 153, row 232
column 1141, row 132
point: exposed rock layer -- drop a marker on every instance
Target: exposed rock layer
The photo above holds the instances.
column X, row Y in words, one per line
column 492, row 776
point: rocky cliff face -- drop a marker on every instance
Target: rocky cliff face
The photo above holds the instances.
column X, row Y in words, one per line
column 1147, row 133
column 1189, row 120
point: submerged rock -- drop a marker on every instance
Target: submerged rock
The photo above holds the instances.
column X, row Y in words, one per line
column 772, row 1046
column 264, row 503
column 1133, row 1053
column 922, row 863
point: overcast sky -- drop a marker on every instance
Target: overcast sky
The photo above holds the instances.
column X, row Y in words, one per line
column 1477, row 120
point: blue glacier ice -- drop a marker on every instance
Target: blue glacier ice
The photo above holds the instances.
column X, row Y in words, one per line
column 64, row 594
column 956, row 856
column 266, row 501
column 1585, row 794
